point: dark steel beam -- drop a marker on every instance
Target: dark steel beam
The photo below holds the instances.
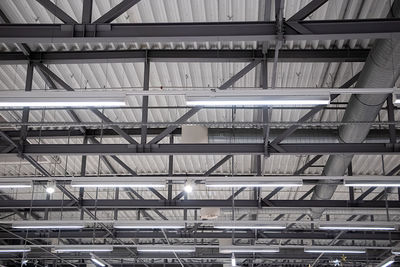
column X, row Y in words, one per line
column 304, row 13
column 87, row 11
column 307, row 165
column 307, row 10
column 129, row 204
column 391, row 118
column 197, row 32
column 117, row 129
column 171, row 128
column 3, row 17
column 231, row 81
column 145, row 101
column 211, row 149
column 25, row 112
column 204, row 233
column 89, row 132
column 118, row 56
column 117, row 11
column 56, row 11
column 109, row 133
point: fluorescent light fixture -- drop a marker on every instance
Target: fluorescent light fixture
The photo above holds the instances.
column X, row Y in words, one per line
column 396, row 251
column 73, row 248
column 254, row 100
column 233, row 260
column 149, row 225
column 248, row 225
column 15, row 185
column 334, row 250
column 247, row 249
column 61, row 99
column 356, row 227
column 396, row 99
column 176, row 249
column 372, row 183
column 96, row 260
column 111, row 182
column 47, row 225
column 252, row 182
column 386, row 262
column 14, row 249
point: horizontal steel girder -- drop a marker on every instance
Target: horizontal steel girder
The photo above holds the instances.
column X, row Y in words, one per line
column 210, row 149
column 129, row 204
column 217, row 133
column 200, row 233
column 78, row 57
column 197, row 32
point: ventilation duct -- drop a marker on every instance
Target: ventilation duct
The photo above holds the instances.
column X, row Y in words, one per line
column 380, row 70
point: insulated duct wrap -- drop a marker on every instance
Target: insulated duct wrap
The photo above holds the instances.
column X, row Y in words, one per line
column 381, row 70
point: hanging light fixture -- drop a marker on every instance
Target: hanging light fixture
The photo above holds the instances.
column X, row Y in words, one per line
column 61, row 99
column 51, row 187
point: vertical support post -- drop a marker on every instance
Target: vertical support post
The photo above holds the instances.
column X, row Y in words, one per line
column 265, row 115
column 116, row 198
column 145, row 101
column 170, row 169
column 398, row 193
column 25, row 112
column 264, row 73
column 351, row 189
column 259, row 170
column 83, row 173
column 279, row 6
column 87, row 11
column 392, row 127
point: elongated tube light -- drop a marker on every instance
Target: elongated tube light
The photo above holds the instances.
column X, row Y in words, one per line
column 149, row 225
column 396, row 251
column 372, row 183
column 61, row 99
column 176, row 249
column 334, row 250
column 96, row 260
column 117, row 182
column 356, row 227
column 14, row 249
column 48, row 225
column 73, row 248
column 233, row 260
column 15, row 185
column 387, row 262
column 247, row 249
column 249, row 225
column 252, row 182
column 260, row 100
column 396, row 99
